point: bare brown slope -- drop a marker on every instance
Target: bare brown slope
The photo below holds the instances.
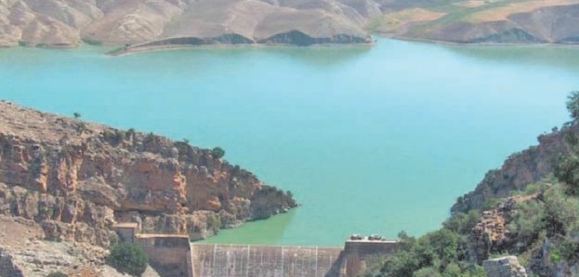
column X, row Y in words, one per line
column 66, row 23
column 163, row 23
column 528, row 21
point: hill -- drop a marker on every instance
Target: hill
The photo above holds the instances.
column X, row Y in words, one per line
column 144, row 24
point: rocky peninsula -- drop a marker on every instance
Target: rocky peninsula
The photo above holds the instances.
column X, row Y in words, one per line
column 64, row 183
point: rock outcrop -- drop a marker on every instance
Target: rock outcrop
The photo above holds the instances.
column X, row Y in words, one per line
column 491, row 233
column 76, row 179
column 504, row 267
column 519, row 170
column 24, row 251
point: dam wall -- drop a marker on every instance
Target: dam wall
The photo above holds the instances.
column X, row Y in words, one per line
column 210, row 260
column 174, row 256
column 214, row 260
column 359, row 252
column 169, row 254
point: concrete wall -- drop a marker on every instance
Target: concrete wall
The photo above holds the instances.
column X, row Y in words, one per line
column 170, row 255
column 358, row 252
column 175, row 256
column 214, row 260
column 211, row 260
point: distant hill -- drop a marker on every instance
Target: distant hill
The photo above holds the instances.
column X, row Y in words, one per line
column 482, row 21
column 161, row 23
column 58, row 23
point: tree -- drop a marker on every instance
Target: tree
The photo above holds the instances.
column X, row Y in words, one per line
column 427, row 272
column 218, row 152
column 76, row 115
column 128, row 258
column 573, row 104
column 567, row 172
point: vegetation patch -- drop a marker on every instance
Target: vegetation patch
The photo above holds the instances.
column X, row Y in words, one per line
column 128, row 258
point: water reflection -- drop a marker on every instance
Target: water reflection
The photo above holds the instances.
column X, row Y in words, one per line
column 558, row 57
column 270, row 231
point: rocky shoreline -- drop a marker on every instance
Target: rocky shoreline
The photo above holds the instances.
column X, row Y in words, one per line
column 71, row 181
column 519, row 170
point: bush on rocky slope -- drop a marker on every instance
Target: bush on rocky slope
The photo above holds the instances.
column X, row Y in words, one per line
column 539, row 224
column 128, row 258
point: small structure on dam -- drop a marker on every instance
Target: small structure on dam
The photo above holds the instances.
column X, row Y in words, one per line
column 174, row 255
column 169, row 254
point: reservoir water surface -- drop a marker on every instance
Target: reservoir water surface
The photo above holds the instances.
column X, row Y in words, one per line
column 369, row 140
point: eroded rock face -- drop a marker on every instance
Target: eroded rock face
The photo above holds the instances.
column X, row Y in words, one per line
column 491, row 233
column 520, row 170
column 504, row 267
column 77, row 179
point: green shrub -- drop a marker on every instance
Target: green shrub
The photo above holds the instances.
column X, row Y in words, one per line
column 555, row 256
column 529, row 221
column 569, row 249
column 567, row 171
column 131, row 133
column 453, row 270
column 218, row 153
column 214, row 223
column 475, row 271
column 128, row 258
column 462, row 223
column 561, row 212
column 427, row 272
column 402, row 264
column 573, row 104
column 436, row 251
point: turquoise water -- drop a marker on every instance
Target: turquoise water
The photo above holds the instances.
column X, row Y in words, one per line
column 369, row 140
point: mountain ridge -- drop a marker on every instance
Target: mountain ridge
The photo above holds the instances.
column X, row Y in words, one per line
column 140, row 24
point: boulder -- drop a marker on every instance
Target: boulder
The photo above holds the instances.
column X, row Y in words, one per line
column 507, row 266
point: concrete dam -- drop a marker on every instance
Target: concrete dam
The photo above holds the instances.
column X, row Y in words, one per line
column 176, row 256
column 247, row 260
column 215, row 260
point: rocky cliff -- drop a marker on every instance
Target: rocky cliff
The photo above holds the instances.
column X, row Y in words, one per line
column 504, row 267
column 74, row 180
column 519, row 170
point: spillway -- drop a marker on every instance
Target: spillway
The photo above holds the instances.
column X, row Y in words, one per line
column 210, row 260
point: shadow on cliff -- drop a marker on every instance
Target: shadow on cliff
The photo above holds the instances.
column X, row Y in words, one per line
column 320, row 56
